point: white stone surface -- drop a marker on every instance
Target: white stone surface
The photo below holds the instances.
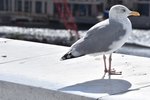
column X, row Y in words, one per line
column 33, row 71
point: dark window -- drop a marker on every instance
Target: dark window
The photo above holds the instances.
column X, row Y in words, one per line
column 81, row 9
column 45, row 7
column 100, row 8
column 10, row 5
column 15, row 5
column 89, row 10
column 18, row 5
column 27, row 6
column 143, row 0
column 58, row 7
column 38, row 7
column 1, row 5
column 30, row 6
column 6, row 5
column 76, row 10
column 144, row 9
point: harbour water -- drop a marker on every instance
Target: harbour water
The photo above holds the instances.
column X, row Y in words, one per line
column 138, row 43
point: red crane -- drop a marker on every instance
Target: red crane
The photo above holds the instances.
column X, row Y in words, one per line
column 66, row 17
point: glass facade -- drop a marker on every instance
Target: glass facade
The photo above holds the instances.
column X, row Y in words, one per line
column 143, row 6
column 5, row 5
column 1, row 5
column 10, row 5
column 89, row 10
column 45, row 7
column 18, row 5
column 27, row 6
column 38, row 7
column 57, row 6
column 144, row 9
column 79, row 9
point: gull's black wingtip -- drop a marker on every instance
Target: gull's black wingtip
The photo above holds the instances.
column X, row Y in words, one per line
column 67, row 56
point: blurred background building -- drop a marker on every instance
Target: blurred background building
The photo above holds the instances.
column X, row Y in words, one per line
column 83, row 11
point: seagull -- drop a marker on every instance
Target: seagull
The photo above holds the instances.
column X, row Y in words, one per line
column 105, row 37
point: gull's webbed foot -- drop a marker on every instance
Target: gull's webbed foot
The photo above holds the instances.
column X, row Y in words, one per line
column 113, row 72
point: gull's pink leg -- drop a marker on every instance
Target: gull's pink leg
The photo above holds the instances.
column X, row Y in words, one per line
column 112, row 71
column 104, row 58
column 110, row 59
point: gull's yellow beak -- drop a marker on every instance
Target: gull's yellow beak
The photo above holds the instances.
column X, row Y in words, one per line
column 134, row 13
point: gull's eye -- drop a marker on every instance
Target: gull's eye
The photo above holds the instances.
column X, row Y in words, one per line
column 123, row 10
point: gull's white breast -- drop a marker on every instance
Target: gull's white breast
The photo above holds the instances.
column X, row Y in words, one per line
column 117, row 44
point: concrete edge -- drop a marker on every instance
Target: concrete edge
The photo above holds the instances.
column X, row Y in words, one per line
column 14, row 91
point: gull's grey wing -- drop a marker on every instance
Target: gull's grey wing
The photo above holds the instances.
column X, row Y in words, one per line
column 98, row 38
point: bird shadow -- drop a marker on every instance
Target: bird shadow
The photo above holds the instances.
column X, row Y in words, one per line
column 109, row 86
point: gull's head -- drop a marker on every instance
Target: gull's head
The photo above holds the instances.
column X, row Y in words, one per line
column 121, row 12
